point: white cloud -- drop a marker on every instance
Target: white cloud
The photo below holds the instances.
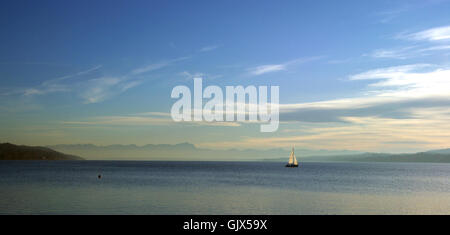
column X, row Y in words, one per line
column 388, row 72
column 148, row 118
column 394, row 92
column 359, row 133
column 400, row 8
column 408, row 110
column 263, row 69
column 130, row 84
column 92, row 88
column 435, row 48
column 150, row 67
column 388, row 15
column 417, row 80
column 156, row 66
column 53, row 85
column 267, row 69
column 400, row 53
column 45, row 89
column 209, row 48
column 99, row 89
column 427, row 42
column 433, row 34
column 408, row 52
column 189, row 75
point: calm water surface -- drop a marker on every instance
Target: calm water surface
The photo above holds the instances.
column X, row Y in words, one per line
column 137, row 187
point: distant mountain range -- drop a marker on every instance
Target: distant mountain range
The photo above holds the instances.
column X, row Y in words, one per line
column 440, row 151
column 20, row 152
column 183, row 151
column 430, row 156
column 187, row 151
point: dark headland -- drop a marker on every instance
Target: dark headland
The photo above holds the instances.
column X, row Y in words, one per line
column 21, row 152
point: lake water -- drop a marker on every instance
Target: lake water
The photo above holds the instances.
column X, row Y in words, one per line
column 152, row 187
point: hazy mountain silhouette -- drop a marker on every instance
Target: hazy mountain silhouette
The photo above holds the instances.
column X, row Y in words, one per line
column 183, row 151
column 187, row 151
column 440, row 151
column 431, row 156
column 20, row 152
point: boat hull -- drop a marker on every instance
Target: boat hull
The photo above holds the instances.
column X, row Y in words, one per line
column 291, row 165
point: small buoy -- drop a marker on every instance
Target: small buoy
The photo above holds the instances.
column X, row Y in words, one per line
column 99, row 176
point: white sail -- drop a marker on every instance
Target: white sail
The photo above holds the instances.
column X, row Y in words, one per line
column 291, row 158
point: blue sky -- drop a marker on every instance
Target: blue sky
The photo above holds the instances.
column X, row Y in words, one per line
column 360, row 75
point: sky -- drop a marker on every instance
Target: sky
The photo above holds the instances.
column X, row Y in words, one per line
column 354, row 75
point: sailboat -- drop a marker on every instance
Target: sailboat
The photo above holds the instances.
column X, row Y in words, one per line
column 292, row 160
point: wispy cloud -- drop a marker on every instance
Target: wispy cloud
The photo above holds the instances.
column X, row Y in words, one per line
column 388, row 72
column 426, row 42
column 59, row 84
column 210, row 48
column 408, row 52
column 393, row 92
column 359, row 133
column 100, row 89
column 189, row 75
column 92, row 86
column 121, row 120
column 389, row 15
column 435, row 48
column 416, row 80
column 148, row 118
column 89, row 84
column 340, row 61
column 156, row 66
column 405, row 104
column 402, row 8
column 399, row 53
column 433, row 34
column 269, row 68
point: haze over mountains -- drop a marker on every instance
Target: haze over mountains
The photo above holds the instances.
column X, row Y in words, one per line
column 182, row 151
column 187, row 151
